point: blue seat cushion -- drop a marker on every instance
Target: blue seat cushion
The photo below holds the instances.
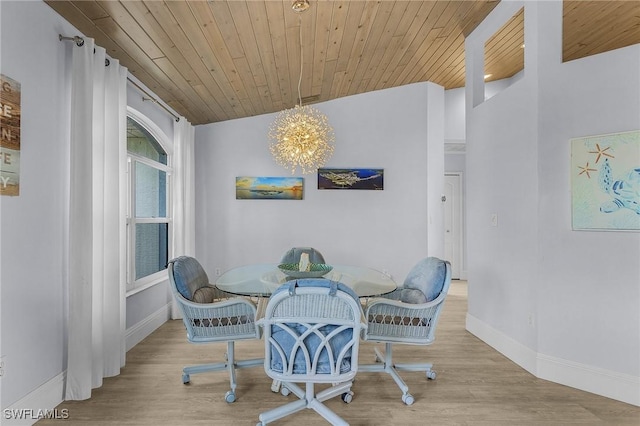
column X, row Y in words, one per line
column 312, row 342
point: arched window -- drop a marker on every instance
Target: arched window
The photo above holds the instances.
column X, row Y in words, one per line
column 148, row 218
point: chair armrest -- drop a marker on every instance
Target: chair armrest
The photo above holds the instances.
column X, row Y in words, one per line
column 380, row 301
column 223, row 303
column 231, row 319
column 396, row 321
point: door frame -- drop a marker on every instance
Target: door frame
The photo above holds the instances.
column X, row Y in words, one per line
column 459, row 251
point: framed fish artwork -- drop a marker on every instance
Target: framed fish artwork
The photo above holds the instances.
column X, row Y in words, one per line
column 351, row 179
column 605, row 182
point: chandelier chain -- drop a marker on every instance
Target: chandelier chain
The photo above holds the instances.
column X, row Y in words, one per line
column 301, row 59
column 301, row 136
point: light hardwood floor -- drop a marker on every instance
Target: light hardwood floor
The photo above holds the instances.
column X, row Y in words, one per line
column 475, row 386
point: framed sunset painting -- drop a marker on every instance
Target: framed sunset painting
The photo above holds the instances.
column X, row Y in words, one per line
column 269, row 188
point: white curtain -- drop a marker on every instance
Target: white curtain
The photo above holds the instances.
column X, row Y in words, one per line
column 183, row 194
column 184, row 178
column 97, row 267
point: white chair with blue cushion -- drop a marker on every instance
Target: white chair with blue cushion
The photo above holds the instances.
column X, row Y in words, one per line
column 409, row 315
column 209, row 316
column 312, row 334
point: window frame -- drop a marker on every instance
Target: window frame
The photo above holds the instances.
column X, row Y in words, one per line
column 137, row 285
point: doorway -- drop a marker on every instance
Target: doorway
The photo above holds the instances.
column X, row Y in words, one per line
column 453, row 235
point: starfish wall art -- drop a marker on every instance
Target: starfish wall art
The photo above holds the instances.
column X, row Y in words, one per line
column 605, row 182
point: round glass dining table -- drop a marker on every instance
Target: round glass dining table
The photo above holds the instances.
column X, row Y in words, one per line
column 260, row 280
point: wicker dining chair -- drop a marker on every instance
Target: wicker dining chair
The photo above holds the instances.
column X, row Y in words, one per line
column 312, row 334
column 210, row 316
column 408, row 316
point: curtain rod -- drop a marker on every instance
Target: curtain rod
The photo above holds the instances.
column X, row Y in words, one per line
column 79, row 41
column 152, row 99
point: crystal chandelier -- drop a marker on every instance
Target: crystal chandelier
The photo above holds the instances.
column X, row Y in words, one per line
column 301, row 136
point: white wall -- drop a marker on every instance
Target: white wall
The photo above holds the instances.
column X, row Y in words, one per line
column 455, row 105
column 386, row 229
column 586, row 271
column 435, row 173
column 501, row 180
column 454, row 115
column 34, row 226
column 561, row 303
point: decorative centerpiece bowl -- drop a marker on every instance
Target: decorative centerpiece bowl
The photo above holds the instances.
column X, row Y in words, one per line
column 316, row 270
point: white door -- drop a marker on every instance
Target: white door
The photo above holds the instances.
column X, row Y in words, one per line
column 453, row 223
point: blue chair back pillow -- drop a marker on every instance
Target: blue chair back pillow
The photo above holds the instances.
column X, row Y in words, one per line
column 424, row 282
column 189, row 276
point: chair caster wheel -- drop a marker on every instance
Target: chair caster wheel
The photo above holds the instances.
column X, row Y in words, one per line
column 285, row 391
column 230, row 396
column 431, row 375
column 186, row 379
column 408, row 399
column 347, row 397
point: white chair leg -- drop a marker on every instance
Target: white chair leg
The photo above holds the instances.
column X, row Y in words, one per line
column 282, row 411
column 204, row 368
column 328, row 415
column 386, row 365
column 315, row 401
column 335, row 390
column 295, row 389
column 231, row 365
column 230, row 396
column 426, row 366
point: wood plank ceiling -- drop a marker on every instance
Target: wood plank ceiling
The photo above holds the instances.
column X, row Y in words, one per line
column 218, row 60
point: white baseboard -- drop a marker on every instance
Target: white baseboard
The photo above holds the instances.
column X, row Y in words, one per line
column 42, row 401
column 463, row 274
column 515, row 351
column 141, row 330
column 37, row 405
column 610, row 384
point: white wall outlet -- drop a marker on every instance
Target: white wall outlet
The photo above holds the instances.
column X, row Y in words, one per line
column 494, row 219
column 218, row 272
column 2, row 366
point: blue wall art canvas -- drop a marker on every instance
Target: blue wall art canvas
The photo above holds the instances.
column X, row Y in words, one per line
column 269, row 188
column 351, row 179
column 605, row 182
